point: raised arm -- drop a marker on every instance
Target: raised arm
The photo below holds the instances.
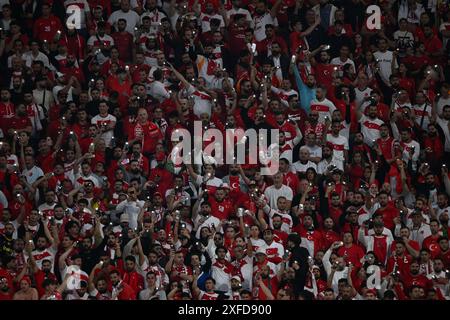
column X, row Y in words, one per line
column 275, row 8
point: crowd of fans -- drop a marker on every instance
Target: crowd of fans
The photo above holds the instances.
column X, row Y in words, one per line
column 93, row 205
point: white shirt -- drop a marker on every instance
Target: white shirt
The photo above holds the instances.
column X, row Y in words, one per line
column 32, row 174
column 155, row 19
column 324, row 164
column 44, row 100
column 286, row 219
column 444, row 126
column 57, row 88
column 385, row 63
column 404, row 39
column 407, row 147
column 340, row 144
column 206, row 18
column 300, row 167
column 361, row 94
column 420, row 234
column 325, row 108
column 132, row 208
column 30, row 58
column 272, row 194
column 202, row 101
column 131, row 17
column 47, row 254
column 158, row 91
column 248, row 16
column 80, row 179
column 425, row 111
column 99, row 121
column 93, row 40
column 260, row 23
column 338, row 62
column 370, row 128
column 441, row 103
column 274, row 250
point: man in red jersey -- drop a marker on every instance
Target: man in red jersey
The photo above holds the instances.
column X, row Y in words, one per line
column 388, row 211
column 47, row 26
column 414, row 278
column 131, row 276
column 121, row 290
column 431, row 242
column 123, row 40
column 147, row 132
column 352, row 253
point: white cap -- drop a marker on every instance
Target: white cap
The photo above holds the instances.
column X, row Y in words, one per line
column 261, row 250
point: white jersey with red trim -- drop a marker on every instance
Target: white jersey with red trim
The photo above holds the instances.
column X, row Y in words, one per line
column 325, row 108
column 162, row 279
column 41, row 255
column 286, row 219
column 245, row 266
column 284, row 95
column 370, row 128
column 100, row 122
column 258, row 243
column 339, row 144
column 47, row 209
column 424, row 111
column 221, row 272
column 202, row 101
column 208, row 295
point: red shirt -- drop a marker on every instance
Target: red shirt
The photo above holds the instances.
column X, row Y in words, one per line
column 432, row 44
column 162, row 178
column 124, row 42
column 414, row 63
column 353, row 254
column 124, row 89
column 40, row 276
column 402, row 263
column 291, row 180
column 20, row 123
column 221, row 210
column 6, row 296
column 46, row 162
column 296, row 41
column 324, row 73
column 417, row 280
column 436, row 146
column 389, row 213
column 329, row 237
column 386, row 146
column 134, row 280
column 149, row 133
column 127, row 292
column 431, row 243
column 46, row 28
column 272, row 284
column 236, row 39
